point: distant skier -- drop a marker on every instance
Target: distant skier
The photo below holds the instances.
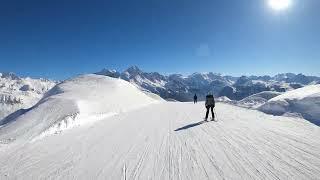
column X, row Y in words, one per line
column 195, row 99
column 210, row 104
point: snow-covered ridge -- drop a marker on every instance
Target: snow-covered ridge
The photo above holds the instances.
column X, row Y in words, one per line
column 256, row 100
column 20, row 93
column 305, row 101
column 74, row 102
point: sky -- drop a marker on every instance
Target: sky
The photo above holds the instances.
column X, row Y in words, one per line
column 62, row 38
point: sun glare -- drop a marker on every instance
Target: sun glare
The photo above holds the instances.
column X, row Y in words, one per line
column 280, row 4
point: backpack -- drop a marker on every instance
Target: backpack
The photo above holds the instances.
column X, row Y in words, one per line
column 210, row 100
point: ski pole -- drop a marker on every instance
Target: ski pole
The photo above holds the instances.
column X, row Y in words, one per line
column 216, row 115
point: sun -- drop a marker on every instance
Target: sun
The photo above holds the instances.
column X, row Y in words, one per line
column 279, row 4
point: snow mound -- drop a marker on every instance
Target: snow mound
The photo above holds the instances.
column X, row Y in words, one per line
column 256, row 100
column 77, row 101
column 305, row 101
column 223, row 99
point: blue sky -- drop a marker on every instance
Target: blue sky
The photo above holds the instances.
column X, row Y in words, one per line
column 58, row 39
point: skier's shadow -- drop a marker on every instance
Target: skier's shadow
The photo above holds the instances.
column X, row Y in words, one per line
column 189, row 126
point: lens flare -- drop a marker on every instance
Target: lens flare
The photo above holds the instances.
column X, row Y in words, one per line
column 280, row 4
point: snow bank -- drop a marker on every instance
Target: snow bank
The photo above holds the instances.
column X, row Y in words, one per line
column 305, row 101
column 78, row 101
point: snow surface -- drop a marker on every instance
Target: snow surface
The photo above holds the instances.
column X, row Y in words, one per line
column 305, row 101
column 84, row 99
column 120, row 132
column 168, row 140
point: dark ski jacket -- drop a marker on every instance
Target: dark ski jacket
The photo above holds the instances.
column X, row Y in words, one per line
column 210, row 101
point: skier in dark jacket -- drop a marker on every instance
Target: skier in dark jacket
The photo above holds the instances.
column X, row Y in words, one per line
column 195, row 98
column 210, row 104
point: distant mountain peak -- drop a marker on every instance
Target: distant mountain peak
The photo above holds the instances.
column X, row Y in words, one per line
column 134, row 69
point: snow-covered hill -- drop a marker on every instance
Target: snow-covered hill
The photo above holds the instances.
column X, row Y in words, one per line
column 169, row 141
column 305, row 101
column 256, row 100
column 77, row 101
column 182, row 88
column 20, row 93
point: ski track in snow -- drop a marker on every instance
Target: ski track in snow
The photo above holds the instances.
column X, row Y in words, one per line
column 169, row 141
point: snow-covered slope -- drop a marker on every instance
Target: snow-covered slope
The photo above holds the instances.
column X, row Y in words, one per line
column 223, row 99
column 20, row 93
column 305, row 101
column 256, row 100
column 170, row 141
column 84, row 99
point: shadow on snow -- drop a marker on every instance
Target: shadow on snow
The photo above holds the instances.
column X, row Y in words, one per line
column 189, row 126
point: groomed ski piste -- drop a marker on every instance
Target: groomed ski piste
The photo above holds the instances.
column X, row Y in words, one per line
column 96, row 127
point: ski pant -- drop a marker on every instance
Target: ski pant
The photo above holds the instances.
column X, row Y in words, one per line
column 195, row 101
column 207, row 113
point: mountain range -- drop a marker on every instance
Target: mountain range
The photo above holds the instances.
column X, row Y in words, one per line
column 182, row 88
column 22, row 93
